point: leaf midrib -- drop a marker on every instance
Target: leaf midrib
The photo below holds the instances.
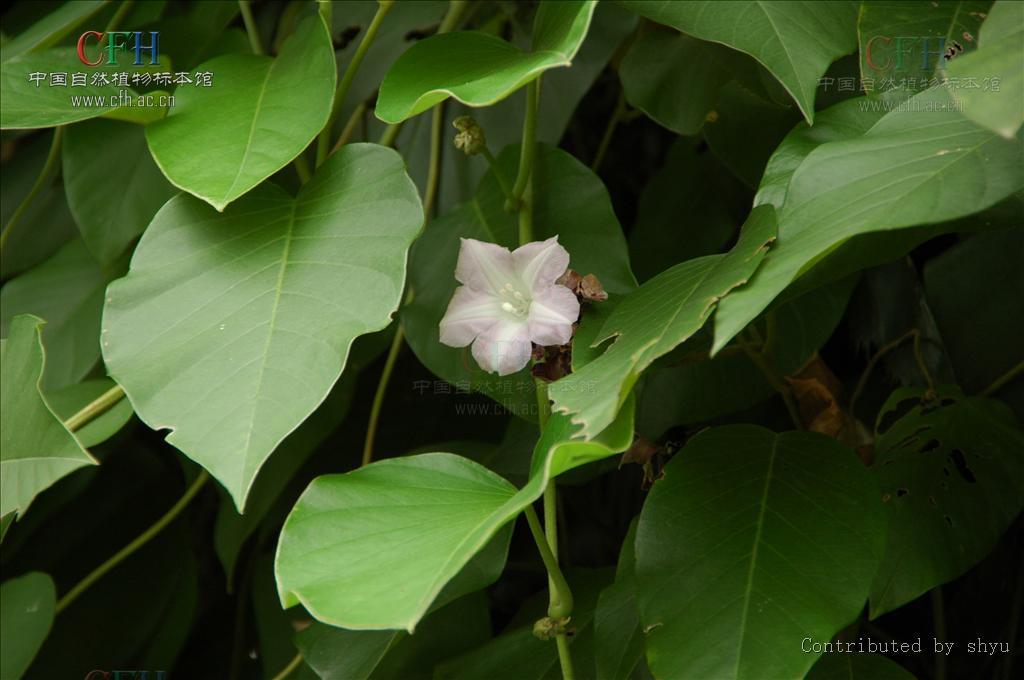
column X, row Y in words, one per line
column 753, row 556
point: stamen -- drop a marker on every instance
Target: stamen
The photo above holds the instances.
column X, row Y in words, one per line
column 507, row 306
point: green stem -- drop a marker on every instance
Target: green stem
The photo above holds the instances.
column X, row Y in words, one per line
column 759, row 360
column 456, row 9
column 882, row 351
column 290, row 668
column 119, row 15
column 529, row 146
column 250, row 26
column 302, row 168
column 350, row 127
column 139, row 541
column 609, row 131
column 49, row 171
column 564, row 657
column 390, row 134
column 323, row 143
column 499, row 175
column 94, row 409
column 434, row 171
column 1002, row 380
column 526, row 215
column 561, row 602
column 378, row 397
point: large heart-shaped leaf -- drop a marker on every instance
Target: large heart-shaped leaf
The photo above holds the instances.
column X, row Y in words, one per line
column 774, row 33
column 26, row 614
column 856, row 186
column 113, row 186
column 415, row 521
column 231, row 328
column 989, row 83
column 67, row 291
column 652, row 321
column 952, row 477
column 751, row 542
column 35, row 448
column 480, row 69
column 569, row 201
column 219, row 142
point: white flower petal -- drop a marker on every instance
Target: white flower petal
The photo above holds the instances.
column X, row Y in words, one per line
column 469, row 314
column 504, row 348
column 485, row 267
column 552, row 314
column 538, row 264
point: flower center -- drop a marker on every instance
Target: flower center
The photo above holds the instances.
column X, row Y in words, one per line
column 513, row 301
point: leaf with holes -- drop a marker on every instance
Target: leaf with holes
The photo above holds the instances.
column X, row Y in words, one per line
column 219, row 142
column 951, row 470
column 479, row 69
column 231, row 327
column 751, row 542
column 774, row 33
column 417, row 521
column 35, row 448
column 862, row 185
column 653, row 320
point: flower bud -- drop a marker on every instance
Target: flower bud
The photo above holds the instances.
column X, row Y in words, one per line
column 470, row 138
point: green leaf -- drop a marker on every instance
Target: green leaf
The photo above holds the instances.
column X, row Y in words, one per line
column 996, row 101
column 751, row 542
column 373, row 548
column 569, row 201
column 67, row 291
column 46, row 223
column 745, row 130
column 69, row 400
column 774, row 33
column 951, row 470
column 673, row 78
column 38, row 105
column 51, row 29
column 693, row 183
column 231, row 328
column 430, row 514
column 233, row 528
column 479, row 69
column 219, row 142
column 980, row 323
column 35, row 448
column 618, row 639
column 652, row 321
column 27, row 613
column 902, row 43
column 113, row 186
column 339, row 654
column 857, row 666
column 862, row 185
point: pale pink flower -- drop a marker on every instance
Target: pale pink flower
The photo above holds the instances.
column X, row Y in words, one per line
column 508, row 300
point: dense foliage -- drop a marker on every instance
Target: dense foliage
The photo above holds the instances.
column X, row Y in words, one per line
column 490, row 339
